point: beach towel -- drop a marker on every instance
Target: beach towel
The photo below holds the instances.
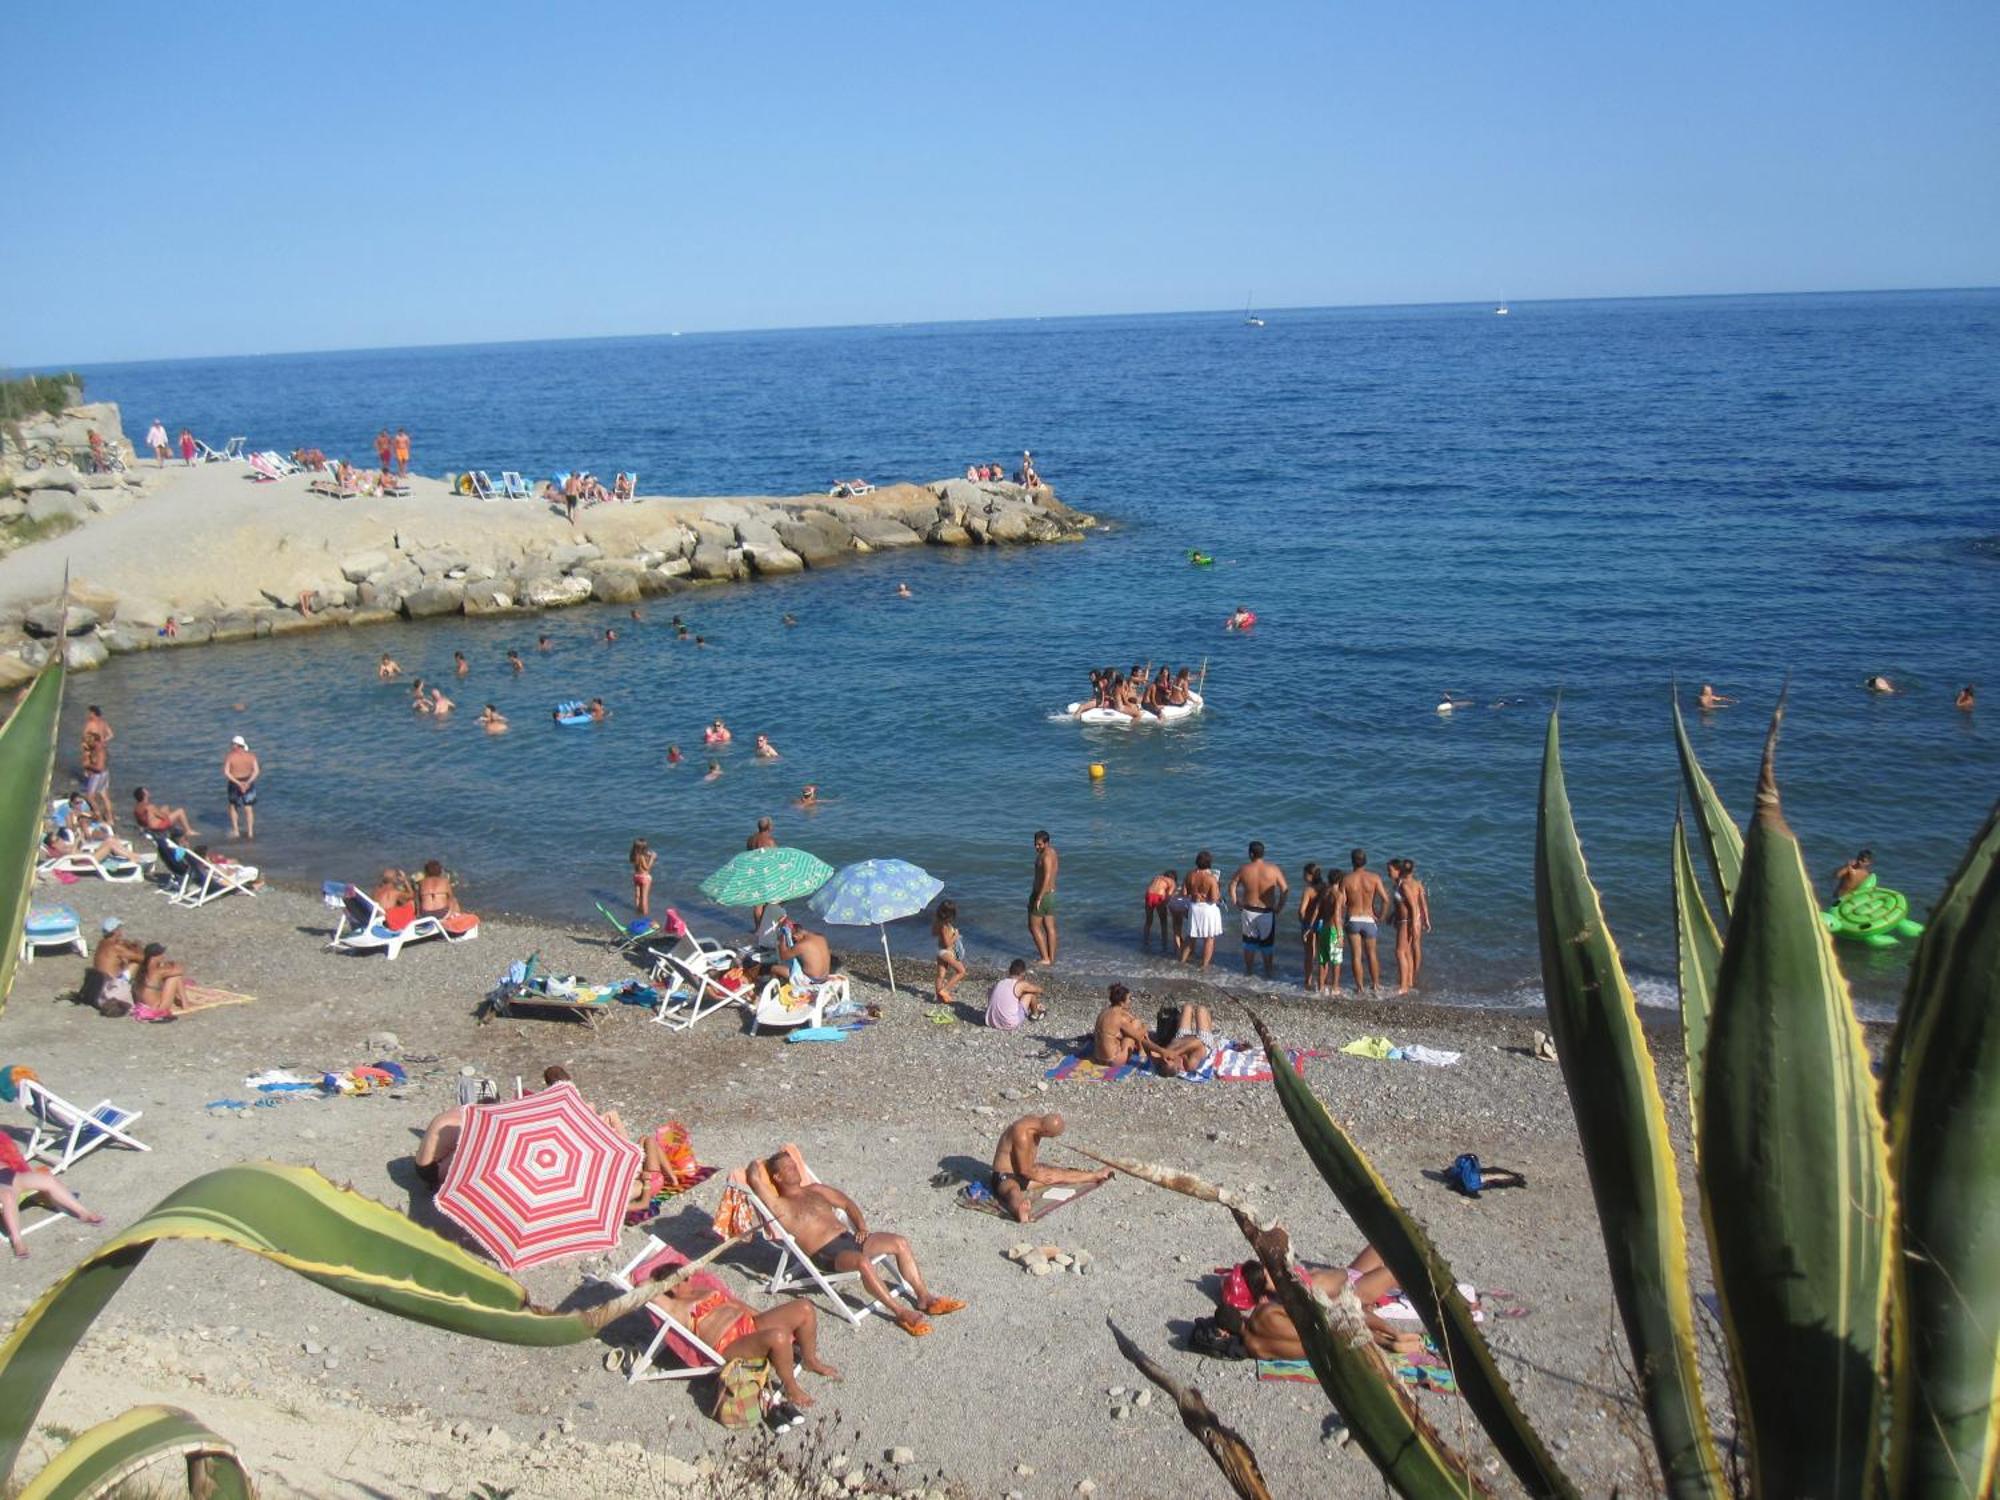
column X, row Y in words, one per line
column 693, row 1178
column 1376, row 1047
column 1253, row 1064
column 1431, row 1056
column 1418, row 1372
column 1043, row 1199
column 207, row 997
column 1077, row 1068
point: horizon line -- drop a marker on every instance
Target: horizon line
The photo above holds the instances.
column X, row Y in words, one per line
column 60, row 367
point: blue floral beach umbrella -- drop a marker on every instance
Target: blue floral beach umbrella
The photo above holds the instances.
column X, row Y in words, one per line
column 874, row 893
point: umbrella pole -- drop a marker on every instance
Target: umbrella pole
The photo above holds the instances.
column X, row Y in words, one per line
column 884, row 928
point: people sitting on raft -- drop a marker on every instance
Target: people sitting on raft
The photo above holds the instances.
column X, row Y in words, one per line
column 437, row 897
column 1251, row 1322
column 1142, row 691
column 830, row 1227
column 1017, row 1169
column 1014, row 1000
column 154, row 818
column 1854, row 874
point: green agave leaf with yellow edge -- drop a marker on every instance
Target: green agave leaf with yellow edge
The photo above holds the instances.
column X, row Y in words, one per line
column 27, row 758
column 1944, row 1098
column 294, row 1218
column 1622, row 1126
column 97, row 1461
column 1423, row 1274
column 1794, row 1179
column 1721, row 840
column 1699, row 950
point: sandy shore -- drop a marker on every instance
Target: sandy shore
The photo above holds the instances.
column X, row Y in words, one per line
column 328, row 1399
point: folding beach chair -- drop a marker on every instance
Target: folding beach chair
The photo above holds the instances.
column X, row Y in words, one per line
column 327, row 482
column 689, row 992
column 283, row 465
column 633, row 934
column 514, row 487
column 229, row 452
column 51, row 927
column 795, row 1271
column 262, row 470
column 695, row 1356
column 63, row 1134
column 363, row 928
column 481, row 485
column 206, row 881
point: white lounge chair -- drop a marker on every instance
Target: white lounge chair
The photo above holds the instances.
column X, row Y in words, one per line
column 514, row 487
column 282, row 464
column 795, row 1271
column 51, row 927
column 798, row 1001
column 230, row 452
column 83, row 862
column 696, row 1357
column 206, row 881
column 363, row 928
column 481, row 485
column 63, row 1134
column 262, row 470
column 689, row 992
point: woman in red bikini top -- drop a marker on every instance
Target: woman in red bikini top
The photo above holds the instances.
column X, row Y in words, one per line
column 785, row 1334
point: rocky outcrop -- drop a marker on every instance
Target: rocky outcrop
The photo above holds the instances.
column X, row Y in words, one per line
column 623, row 554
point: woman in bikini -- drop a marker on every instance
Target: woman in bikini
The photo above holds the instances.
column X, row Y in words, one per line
column 950, row 951
column 162, row 987
column 786, row 1335
column 642, row 859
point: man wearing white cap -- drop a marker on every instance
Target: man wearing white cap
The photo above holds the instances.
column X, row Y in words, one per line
column 241, row 770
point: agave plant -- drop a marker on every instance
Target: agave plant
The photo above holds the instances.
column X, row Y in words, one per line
column 1857, row 1264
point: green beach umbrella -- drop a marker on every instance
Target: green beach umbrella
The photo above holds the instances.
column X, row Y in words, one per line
column 761, row 877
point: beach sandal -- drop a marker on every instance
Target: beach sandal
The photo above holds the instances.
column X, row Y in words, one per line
column 941, row 1307
column 916, row 1330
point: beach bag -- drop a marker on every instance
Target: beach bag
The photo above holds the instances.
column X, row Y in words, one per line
column 739, row 1392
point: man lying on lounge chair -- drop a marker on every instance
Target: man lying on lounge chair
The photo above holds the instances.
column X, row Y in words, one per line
column 807, row 1210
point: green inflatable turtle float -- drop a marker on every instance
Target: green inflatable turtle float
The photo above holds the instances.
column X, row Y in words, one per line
column 1872, row 914
column 1201, row 559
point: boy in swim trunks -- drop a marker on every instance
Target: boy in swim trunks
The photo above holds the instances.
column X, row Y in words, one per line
column 1362, row 890
column 1042, row 898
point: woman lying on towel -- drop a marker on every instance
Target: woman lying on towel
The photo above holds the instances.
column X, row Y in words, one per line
column 785, row 1334
column 1251, row 1322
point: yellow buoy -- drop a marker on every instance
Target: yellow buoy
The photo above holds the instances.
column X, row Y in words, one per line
column 1097, row 770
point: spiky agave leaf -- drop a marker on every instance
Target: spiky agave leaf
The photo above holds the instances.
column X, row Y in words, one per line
column 1721, row 840
column 1699, row 951
column 1944, row 1097
column 294, row 1218
column 27, row 757
column 1795, row 1185
column 1420, row 1271
column 1379, row 1413
column 1224, row 1443
column 1622, row 1126
column 96, row 1462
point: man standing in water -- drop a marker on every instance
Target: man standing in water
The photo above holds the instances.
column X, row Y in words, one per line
column 1042, row 898
column 241, row 770
column 1258, row 890
column 1363, row 891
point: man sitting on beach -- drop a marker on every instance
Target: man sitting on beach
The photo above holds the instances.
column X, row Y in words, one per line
column 1193, row 1044
column 1016, row 1170
column 1119, row 1034
column 808, row 948
column 813, row 1214
column 154, row 818
column 1015, row 1000
column 107, row 983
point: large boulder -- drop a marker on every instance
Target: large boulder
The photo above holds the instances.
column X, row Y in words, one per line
column 47, row 505
column 122, row 638
column 85, row 653
column 756, row 531
column 46, row 620
column 815, row 536
column 13, row 507
column 948, row 534
column 366, row 615
column 190, row 633
column 234, row 625
column 374, row 595
column 1008, row 522
column 488, row 598
column 614, row 582
column 438, row 562
column 358, row 567
column 433, row 599
column 879, row 534
column 711, row 560
column 14, row 672
column 147, row 613
column 573, row 554
column 556, row 593
column 773, row 559
column 715, row 533
column 49, row 478
column 94, row 596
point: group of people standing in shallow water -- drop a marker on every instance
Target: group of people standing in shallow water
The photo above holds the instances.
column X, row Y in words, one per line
column 1338, row 912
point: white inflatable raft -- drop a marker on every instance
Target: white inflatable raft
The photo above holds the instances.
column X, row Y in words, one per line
column 1170, row 715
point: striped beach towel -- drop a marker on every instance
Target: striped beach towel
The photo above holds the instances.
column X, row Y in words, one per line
column 1253, row 1064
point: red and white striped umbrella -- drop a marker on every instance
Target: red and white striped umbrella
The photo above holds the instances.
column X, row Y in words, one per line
column 539, row 1178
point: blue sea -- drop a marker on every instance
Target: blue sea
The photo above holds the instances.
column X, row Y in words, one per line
column 1578, row 499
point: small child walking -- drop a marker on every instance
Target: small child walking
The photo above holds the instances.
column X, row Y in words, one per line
column 642, row 859
column 950, row 950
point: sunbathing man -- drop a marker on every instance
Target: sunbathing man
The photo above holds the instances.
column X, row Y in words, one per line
column 433, row 1153
column 786, row 1335
column 1016, row 1170
column 157, row 819
column 1193, row 1044
column 812, row 1213
column 106, row 985
column 1119, row 1034
column 17, row 1180
column 809, row 948
column 1266, row 1328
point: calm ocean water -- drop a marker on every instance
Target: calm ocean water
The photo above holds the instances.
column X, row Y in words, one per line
column 1586, row 498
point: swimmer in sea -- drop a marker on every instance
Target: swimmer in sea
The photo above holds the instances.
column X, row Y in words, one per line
column 903, row 591
column 1850, row 876
column 717, row 733
column 1711, row 699
column 459, row 664
column 1963, row 702
column 514, row 661
column 543, row 643
column 388, row 668
column 1881, row 684
column 765, row 749
column 610, row 636
column 701, row 642
column 493, row 720
column 1241, row 619
column 441, row 705
column 680, row 632
column 420, row 697
column 787, row 620
column 714, row 771
column 598, row 712
column 635, row 615
column 674, row 756
column 809, row 797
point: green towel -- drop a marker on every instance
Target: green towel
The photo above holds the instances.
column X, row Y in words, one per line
column 1377, row 1047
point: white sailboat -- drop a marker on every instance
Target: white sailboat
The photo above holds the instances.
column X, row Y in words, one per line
column 1250, row 319
column 1502, row 310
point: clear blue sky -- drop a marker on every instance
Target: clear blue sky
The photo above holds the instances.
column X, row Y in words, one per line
column 241, row 178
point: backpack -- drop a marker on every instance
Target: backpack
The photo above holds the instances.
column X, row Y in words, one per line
column 739, row 1392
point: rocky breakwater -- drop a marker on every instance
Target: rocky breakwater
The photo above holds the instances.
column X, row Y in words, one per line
column 322, row 565
column 59, row 487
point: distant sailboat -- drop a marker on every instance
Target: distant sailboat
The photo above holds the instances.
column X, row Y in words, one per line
column 1502, row 310
column 1250, row 319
